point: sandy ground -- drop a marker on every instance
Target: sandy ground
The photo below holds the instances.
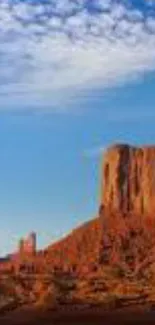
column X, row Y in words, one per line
column 31, row 316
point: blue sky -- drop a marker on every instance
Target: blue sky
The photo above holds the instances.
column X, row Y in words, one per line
column 75, row 77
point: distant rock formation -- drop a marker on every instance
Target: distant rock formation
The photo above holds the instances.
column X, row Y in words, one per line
column 128, row 181
column 27, row 246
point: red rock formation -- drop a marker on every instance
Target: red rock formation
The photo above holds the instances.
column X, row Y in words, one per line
column 116, row 248
column 128, row 182
column 23, row 258
column 128, row 185
column 28, row 245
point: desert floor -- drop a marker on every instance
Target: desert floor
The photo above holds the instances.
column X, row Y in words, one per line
column 129, row 316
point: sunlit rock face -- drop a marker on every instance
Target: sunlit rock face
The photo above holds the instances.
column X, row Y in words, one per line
column 128, row 181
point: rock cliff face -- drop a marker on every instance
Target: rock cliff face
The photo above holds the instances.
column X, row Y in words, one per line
column 128, row 182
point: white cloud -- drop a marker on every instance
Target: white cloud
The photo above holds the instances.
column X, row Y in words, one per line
column 150, row 23
column 104, row 5
column 51, row 51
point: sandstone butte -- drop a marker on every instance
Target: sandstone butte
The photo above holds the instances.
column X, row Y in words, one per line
column 110, row 259
column 127, row 189
column 128, row 181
